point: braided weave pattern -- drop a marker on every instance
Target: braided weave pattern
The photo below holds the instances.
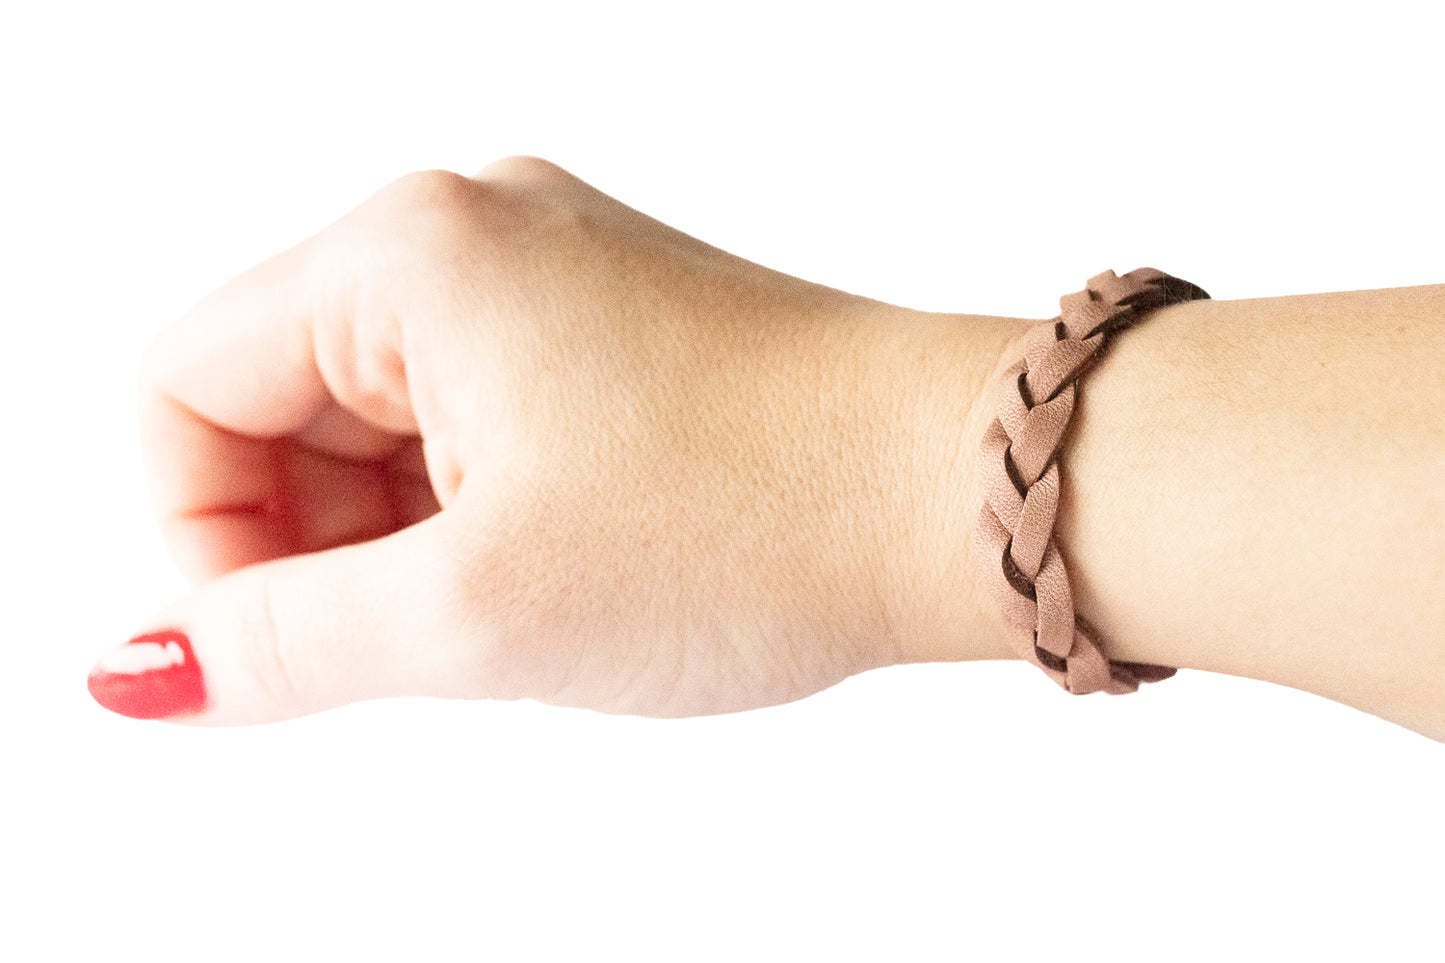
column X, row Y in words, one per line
column 1015, row 532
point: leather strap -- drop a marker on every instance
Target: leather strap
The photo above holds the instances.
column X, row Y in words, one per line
column 1020, row 458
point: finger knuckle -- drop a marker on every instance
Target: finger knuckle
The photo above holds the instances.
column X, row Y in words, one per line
column 522, row 168
column 445, row 218
column 420, row 226
column 430, row 194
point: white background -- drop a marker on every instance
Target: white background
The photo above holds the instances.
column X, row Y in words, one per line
column 984, row 158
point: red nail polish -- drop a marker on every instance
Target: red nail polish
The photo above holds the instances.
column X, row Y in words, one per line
column 150, row 677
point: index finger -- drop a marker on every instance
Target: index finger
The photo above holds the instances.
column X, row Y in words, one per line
column 257, row 447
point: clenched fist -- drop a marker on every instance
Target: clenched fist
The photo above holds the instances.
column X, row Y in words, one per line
column 504, row 437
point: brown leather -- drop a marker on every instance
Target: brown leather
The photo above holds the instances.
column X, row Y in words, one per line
column 1015, row 532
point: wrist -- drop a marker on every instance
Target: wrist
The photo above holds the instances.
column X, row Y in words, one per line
column 938, row 377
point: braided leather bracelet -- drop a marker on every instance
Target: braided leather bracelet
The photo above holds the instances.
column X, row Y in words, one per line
column 1015, row 532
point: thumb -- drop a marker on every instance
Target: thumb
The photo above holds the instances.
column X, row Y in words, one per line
column 298, row 635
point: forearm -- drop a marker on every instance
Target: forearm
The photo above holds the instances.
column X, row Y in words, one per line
column 1256, row 488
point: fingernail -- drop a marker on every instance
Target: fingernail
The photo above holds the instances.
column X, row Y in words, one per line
column 150, row 677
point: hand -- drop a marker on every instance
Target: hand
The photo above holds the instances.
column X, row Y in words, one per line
column 505, row 437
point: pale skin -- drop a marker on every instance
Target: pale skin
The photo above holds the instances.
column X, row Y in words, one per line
column 505, row 437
